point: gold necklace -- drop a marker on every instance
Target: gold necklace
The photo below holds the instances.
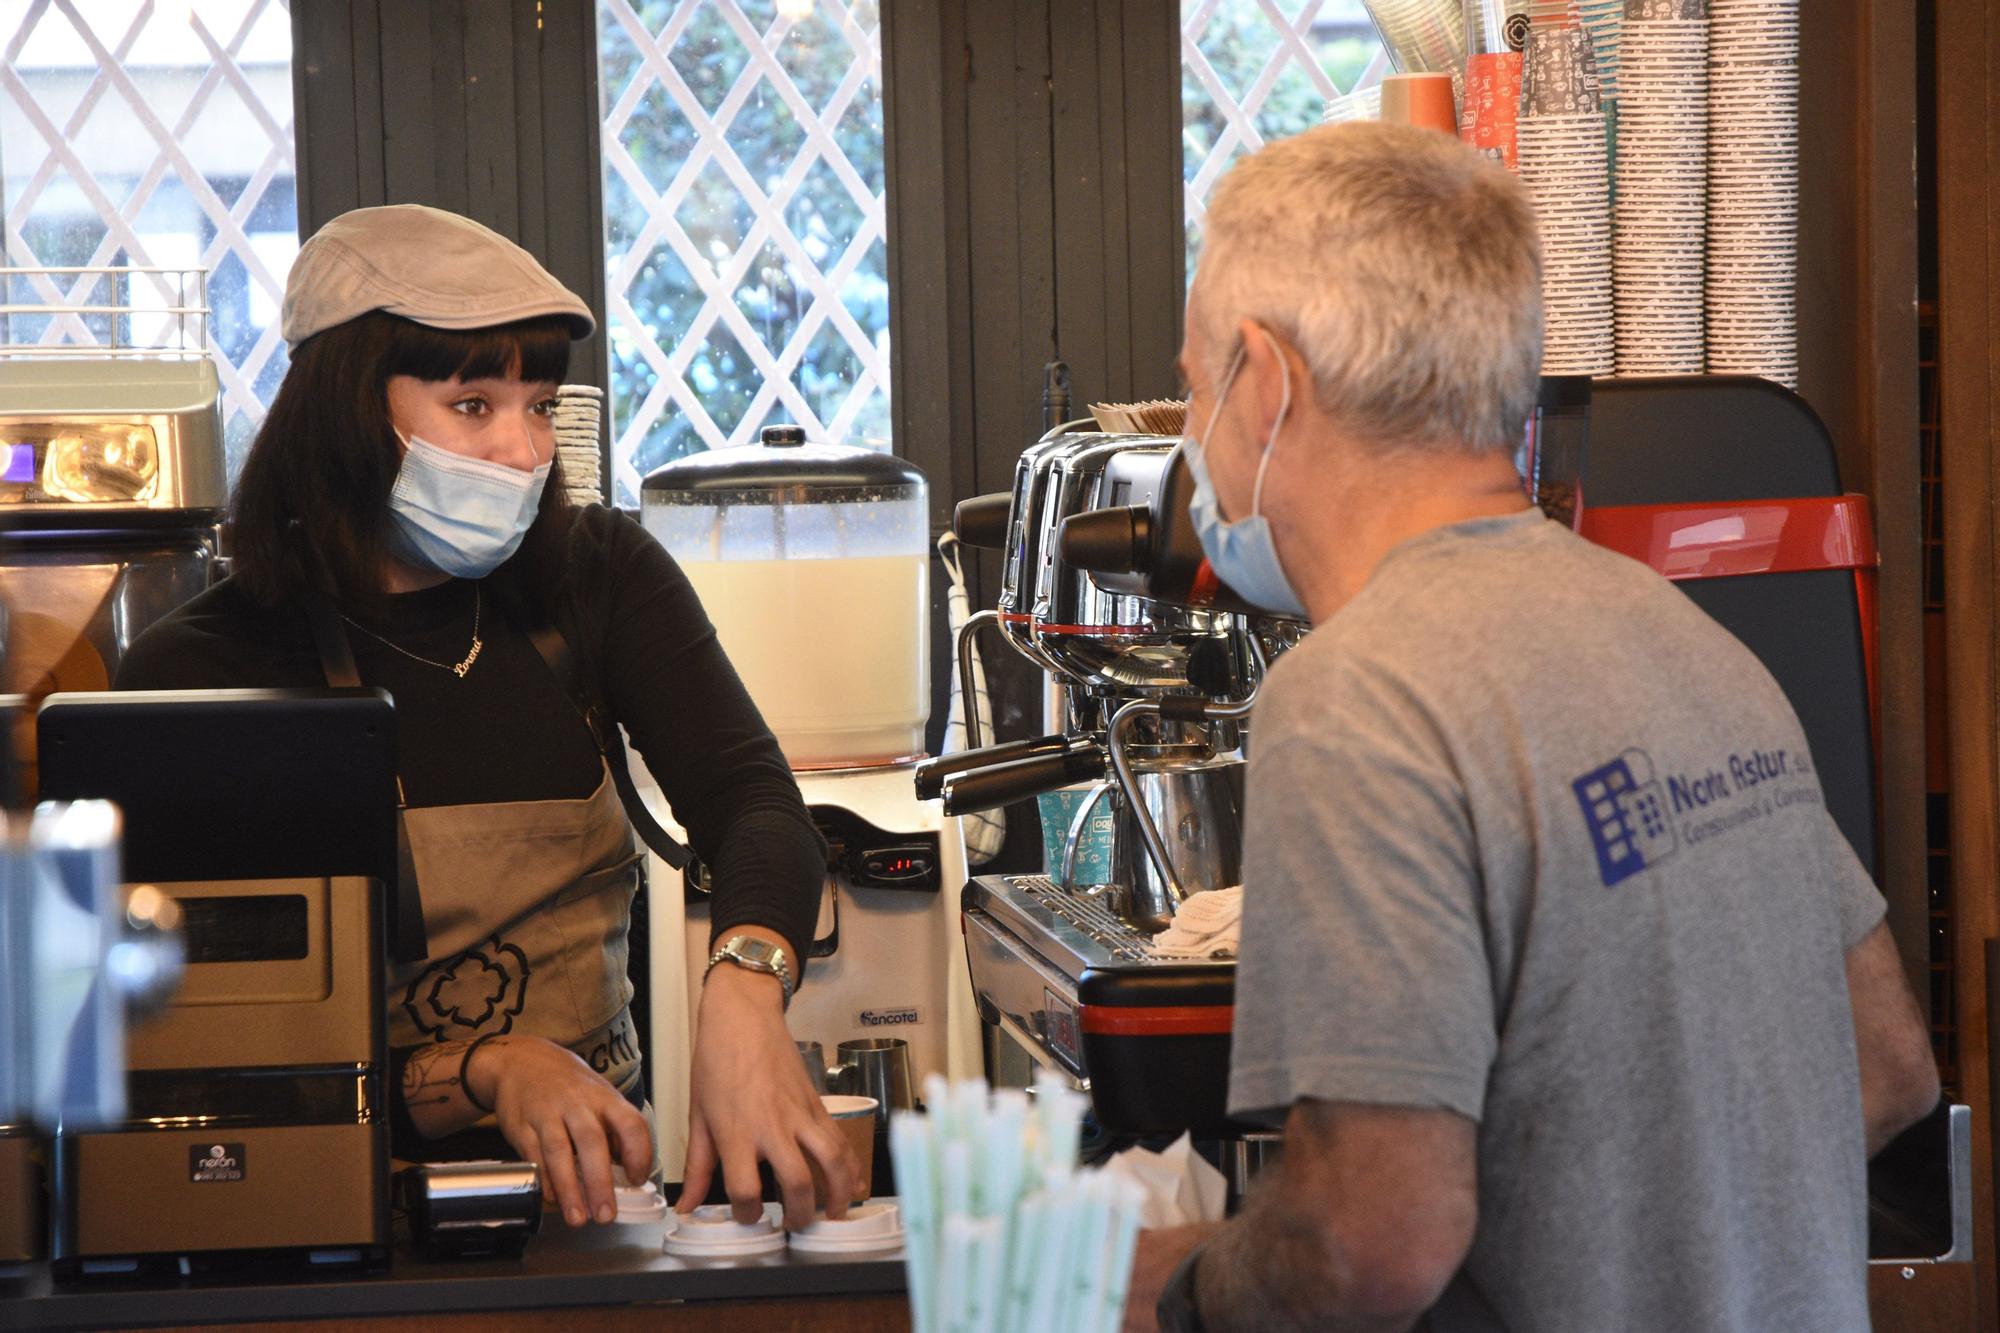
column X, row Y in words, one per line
column 458, row 670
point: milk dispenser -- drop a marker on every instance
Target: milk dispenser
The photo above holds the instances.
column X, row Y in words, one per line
column 812, row 561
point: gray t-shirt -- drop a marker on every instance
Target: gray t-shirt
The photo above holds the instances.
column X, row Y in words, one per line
column 1532, row 839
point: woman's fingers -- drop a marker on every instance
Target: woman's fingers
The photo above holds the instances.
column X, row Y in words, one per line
column 823, row 1143
column 593, row 1162
column 795, row 1183
column 739, row 1178
column 633, row 1141
column 559, row 1165
column 698, row 1169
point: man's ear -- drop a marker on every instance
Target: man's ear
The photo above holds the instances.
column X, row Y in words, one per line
column 1275, row 372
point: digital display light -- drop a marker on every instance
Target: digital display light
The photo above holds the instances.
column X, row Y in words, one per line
column 20, row 463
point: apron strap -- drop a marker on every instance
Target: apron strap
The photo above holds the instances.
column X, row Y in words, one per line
column 561, row 662
column 408, row 941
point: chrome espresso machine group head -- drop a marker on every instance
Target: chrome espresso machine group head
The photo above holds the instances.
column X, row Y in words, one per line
column 1105, row 589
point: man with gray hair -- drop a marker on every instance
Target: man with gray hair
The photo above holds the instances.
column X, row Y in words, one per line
column 1549, row 1054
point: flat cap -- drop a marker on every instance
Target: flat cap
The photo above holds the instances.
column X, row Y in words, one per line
column 424, row 264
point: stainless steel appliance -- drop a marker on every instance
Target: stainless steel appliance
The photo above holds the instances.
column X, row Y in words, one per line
column 1156, row 692
column 112, row 484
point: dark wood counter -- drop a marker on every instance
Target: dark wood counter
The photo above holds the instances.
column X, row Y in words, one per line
column 601, row 1276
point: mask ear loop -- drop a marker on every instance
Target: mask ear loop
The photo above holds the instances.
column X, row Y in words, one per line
column 1228, row 382
column 1284, row 409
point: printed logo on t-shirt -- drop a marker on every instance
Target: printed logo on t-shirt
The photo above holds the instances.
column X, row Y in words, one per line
column 1636, row 821
column 1625, row 809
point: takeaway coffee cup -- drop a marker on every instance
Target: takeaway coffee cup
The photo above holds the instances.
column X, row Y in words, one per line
column 854, row 1117
column 1419, row 99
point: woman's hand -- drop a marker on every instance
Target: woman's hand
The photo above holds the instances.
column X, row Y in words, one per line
column 563, row 1116
column 751, row 1101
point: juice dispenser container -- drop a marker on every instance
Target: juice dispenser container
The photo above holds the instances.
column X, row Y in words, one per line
column 812, row 561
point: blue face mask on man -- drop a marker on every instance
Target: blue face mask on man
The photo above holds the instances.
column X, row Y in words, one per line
column 461, row 516
column 1243, row 554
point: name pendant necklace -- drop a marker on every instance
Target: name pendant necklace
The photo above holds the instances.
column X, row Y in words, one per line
column 459, row 670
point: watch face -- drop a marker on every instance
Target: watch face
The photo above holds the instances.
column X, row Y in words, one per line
column 753, row 950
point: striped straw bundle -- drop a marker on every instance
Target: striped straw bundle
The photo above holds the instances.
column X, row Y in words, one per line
column 1002, row 1233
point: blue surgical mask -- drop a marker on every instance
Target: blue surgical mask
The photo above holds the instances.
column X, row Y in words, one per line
column 1242, row 554
column 461, row 516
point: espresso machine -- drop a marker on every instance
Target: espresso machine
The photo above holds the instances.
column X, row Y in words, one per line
column 112, row 486
column 1157, row 665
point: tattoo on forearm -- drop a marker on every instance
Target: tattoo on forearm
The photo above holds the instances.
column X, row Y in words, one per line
column 430, row 1072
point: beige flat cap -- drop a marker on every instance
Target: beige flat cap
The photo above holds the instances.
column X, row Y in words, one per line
column 424, row 264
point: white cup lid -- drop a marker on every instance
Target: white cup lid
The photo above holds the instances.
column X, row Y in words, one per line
column 641, row 1203
column 877, row 1225
column 710, row 1232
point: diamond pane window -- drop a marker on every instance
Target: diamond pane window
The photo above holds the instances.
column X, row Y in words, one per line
column 1257, row 70
column 747, row 269
column 152, row 134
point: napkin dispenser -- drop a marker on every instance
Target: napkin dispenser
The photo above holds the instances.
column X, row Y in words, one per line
column 465, row 1210
column 257, row 1122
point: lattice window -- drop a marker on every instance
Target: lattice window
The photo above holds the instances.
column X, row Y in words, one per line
column 153, row 133
column 1257, row 70
column 747, row 269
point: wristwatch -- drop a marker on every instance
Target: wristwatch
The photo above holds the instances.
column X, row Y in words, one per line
column 755, row 955
column 1177, row 1309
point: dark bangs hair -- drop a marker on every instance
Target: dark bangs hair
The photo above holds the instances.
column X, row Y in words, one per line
column 310, row 514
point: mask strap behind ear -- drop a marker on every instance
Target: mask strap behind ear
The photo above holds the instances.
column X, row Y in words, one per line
column 1284, row 409
column 1228, row 380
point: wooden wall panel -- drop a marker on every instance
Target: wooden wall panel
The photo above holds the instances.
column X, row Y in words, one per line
column 484, row 107
column 1968, row 209
column 1857, row 367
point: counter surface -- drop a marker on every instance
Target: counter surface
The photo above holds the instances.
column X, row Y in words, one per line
column 595, row 1266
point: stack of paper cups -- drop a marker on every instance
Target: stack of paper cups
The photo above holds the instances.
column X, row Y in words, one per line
column 1661, row 210
column 1753, row 181
column 1563, row 168
column 578, row 444
column 1422, row 36
column 1602, row 20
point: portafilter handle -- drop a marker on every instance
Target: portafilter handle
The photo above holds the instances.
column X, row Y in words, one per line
column 931, row 773
column 1171, row 709
column 982, row 521
column 1019, row 779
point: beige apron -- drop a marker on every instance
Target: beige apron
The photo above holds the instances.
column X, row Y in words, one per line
column 527, row 906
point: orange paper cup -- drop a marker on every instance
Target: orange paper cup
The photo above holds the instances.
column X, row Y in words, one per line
column 1419, row 99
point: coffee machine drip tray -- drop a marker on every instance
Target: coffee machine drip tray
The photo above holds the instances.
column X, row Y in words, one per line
column 1080, row 927
column 1061, row 976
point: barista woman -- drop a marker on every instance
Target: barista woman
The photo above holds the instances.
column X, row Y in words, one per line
column 401, row 516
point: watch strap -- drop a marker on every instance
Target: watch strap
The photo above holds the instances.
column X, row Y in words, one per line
column 778, row 966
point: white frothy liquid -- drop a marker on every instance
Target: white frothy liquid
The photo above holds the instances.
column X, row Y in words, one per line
column 834, row 652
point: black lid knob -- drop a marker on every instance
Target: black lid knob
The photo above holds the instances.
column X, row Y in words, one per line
column 783, row 437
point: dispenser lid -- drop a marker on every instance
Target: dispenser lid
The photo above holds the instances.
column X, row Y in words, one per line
column 783, row 461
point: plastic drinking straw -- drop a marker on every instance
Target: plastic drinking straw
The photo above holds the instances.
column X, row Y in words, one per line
column 916, row 1183
column 1124, row 1241
column 1093, row 1225
column 989, row 1272
column 1052, row 1258
column 954, row 1288
column 955, row 1181
column 1027, row 1222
